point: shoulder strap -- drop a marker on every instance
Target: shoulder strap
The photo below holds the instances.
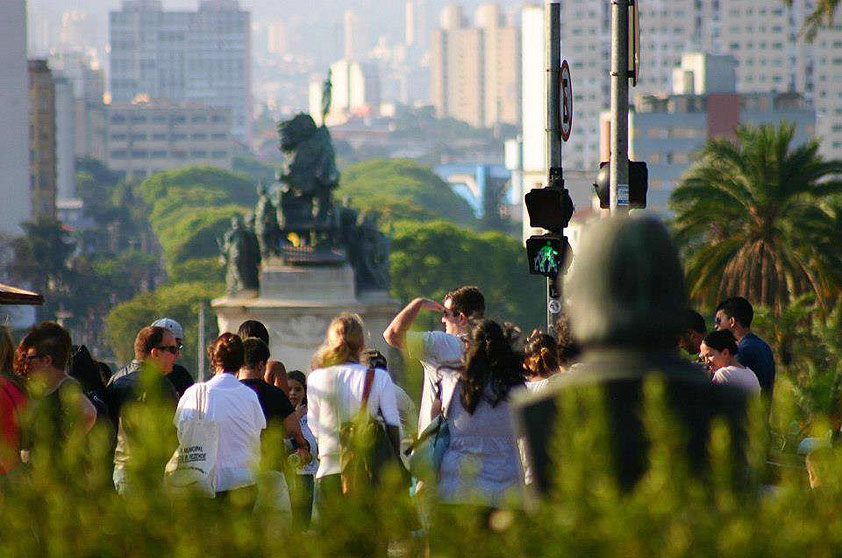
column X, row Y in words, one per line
column 369, row 381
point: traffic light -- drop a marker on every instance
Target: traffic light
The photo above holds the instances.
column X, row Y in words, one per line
column 547, row 254
column 638, row 184
column 549, row 208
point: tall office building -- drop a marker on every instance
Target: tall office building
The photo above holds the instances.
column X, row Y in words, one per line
column 14, row 114
column 502, row 70
column 355, row 37
column 475, row 71
column 202, row 56
column 65, row 136
column 42, row 139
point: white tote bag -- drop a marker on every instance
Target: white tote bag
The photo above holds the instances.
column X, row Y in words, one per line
column 192, row 468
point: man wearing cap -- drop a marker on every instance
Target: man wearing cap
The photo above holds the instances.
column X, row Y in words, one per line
column 141, row 383
column 180, row 378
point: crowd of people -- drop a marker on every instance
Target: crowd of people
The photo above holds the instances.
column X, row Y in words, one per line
column 471, row 371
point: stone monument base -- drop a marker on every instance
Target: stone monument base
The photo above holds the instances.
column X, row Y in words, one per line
column 297, row 303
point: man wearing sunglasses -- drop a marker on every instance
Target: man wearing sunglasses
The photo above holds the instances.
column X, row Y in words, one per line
column 141, row 382
column 735, row 314
column 180, row 378
column 440, row 352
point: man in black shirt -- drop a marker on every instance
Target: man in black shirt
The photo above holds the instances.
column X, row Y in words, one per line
column 274, row 402
column 180, row 378
column 142, row 383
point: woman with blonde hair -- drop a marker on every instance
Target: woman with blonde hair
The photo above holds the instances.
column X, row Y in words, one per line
column 337, row 388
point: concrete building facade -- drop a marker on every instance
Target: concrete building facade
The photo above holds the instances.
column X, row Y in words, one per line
column 42, row 140
column 65, row 136
column 14, row 114
column 144, row 138
column 475, row 71
column 668, row 131
column 202, row 57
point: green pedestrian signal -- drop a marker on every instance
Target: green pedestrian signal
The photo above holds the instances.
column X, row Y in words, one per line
column 547, row 254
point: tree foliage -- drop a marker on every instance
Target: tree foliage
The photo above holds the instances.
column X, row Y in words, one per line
column 192, row 207
column 758, row 217
column 822, row 17
column 430, row 259
column 401, row 188
column 177, row 301
column 238, row 187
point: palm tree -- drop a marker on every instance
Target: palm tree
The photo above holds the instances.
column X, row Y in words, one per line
column 821, row 17
column 761, row 218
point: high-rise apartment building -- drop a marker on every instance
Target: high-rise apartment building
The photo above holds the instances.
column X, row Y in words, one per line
column 202, row 56
column 65, row 136
column 475, row 71
column 14, row 114
column 355, row 36
column 42, row 139
column 147, row 137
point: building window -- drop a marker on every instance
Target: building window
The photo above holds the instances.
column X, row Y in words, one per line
column 119, row 154
column 219, row 154
column 199, row 154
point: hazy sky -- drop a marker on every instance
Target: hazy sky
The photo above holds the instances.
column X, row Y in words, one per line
column 388, row 13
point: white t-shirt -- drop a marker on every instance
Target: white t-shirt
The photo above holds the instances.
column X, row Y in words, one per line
column 737, row 376
column 441, row 356
column 235, row 407
column 334, row 396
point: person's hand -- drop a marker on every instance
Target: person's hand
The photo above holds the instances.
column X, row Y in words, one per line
column 431, row 305
column 276, row 375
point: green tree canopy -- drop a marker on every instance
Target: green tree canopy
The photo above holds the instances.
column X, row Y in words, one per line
column 401, row 188
column 192, row 207
column 754, row 219
column 237, row 186
column 179, row 302
column 432, row 258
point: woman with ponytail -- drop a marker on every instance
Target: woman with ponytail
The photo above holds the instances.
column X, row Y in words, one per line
column 335, row 390
column 481, row 466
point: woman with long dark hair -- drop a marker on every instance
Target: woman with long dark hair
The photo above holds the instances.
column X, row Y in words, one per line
column 482, row 465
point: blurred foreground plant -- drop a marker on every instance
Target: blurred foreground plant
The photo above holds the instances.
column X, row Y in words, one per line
column 64, row 505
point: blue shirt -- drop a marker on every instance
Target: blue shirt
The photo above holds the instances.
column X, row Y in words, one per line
column 754, row 352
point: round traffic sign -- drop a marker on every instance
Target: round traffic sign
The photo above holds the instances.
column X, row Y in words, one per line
column 566, row 109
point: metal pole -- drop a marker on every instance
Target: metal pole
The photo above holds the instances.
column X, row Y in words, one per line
column 202, row 342
column 619, row 175
column 555, row 176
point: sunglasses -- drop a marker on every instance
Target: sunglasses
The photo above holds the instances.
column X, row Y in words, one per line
column 174, row 349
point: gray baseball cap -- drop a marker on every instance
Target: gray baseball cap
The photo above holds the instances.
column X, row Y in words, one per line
column 173, row 326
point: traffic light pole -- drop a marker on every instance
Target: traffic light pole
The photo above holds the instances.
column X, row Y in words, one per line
column 555, row 175
column 619, row 170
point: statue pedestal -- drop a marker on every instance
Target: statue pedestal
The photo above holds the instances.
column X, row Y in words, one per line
column 297, row 303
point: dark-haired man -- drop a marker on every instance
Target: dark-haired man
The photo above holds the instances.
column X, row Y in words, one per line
column 275, row 373
column 155, row 352
column 59, row 404
column 735, row 314
column 276, row 406
column 694, row 333
column 440, row 352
